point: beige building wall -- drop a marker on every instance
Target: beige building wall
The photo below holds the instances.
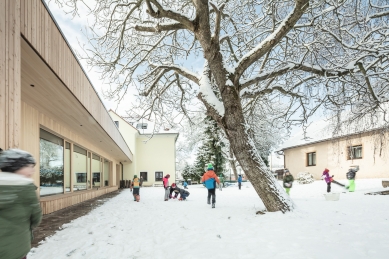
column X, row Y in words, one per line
column 129, row 134
column 333, row 154
column 152, row 153
column 156, row 153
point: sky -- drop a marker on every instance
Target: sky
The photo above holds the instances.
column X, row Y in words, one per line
column 354, row 226
column 74, row 28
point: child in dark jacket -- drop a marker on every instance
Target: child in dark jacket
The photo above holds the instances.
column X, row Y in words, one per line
column 351, row 179
column 288, row 181
column 183, row 193
column 173, row 188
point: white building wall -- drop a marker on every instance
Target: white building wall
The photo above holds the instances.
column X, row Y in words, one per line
column 156, row 154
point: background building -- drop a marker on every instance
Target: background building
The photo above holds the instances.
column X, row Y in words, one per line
column 154, row 153
column 367, row 150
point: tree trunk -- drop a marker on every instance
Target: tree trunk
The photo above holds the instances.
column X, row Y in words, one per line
column 232, row 163
column 271, row 193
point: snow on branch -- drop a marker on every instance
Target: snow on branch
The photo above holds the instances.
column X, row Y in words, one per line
column 377, row 15
column 161, row 12
column 160, row 27
column 253, row 94
column 273, row 39
column 206, row 94
column 317, row 70
column 163, row 69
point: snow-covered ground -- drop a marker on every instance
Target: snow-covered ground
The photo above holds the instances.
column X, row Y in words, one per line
column 356, row 226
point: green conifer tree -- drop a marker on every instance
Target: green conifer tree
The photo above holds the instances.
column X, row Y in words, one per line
column 210, row 149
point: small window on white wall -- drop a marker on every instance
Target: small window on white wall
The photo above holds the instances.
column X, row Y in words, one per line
column 158, row 176
column 354, row 152
column 144, row 176
column 311, row 159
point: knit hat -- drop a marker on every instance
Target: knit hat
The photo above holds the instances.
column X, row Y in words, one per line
column 135, row 176
column 210, row 166
column 167, row 176
column 326, row 171
column 12, row 160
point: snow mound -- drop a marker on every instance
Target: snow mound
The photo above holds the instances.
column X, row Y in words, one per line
column 304, row 178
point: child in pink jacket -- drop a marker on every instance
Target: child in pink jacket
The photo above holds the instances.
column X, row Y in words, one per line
column 326, row 176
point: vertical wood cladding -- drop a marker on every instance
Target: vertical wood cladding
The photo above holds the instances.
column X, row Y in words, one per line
column 39, row 29
column 10, row 80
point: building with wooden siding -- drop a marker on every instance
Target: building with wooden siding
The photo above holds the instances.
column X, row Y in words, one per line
column 49, row 107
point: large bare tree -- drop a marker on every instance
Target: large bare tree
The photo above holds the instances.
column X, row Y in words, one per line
column 295, row 55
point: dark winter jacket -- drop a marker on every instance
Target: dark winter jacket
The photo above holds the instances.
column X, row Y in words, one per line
column 288, row 179
column 174, row 189
column 351, row 174
column 20, row 212
column 181, row 191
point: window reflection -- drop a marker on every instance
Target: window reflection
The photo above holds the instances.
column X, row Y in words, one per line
column 80, row 168
column 67, row 167
column 96, row 169
column 106, row 172
column 51, row 164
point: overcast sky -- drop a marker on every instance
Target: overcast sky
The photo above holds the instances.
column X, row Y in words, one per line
column 74, row 28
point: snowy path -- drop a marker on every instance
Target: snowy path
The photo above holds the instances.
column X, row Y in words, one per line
column 356, row 226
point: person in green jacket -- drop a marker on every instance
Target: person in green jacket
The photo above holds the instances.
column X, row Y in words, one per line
column 288, row 181
column 20, row 211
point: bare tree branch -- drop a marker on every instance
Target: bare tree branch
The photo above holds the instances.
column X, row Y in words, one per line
column 272, row 40
column 160, row 27
column 161, row 12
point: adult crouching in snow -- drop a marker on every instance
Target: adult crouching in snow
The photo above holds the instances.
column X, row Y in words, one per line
column 210, row 179
column 183, row 193
column 166, row 186
column 20, row 211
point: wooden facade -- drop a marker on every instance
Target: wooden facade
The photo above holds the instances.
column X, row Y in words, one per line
column 53, row 203
column 10, row 80
column 43, row 86
column 40, row 30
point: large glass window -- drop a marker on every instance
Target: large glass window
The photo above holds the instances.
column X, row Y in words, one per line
column 88, row 165
column 80, row 168
column 67, row 167
column 96, row 170
column 106, row 172
column 51, row 159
